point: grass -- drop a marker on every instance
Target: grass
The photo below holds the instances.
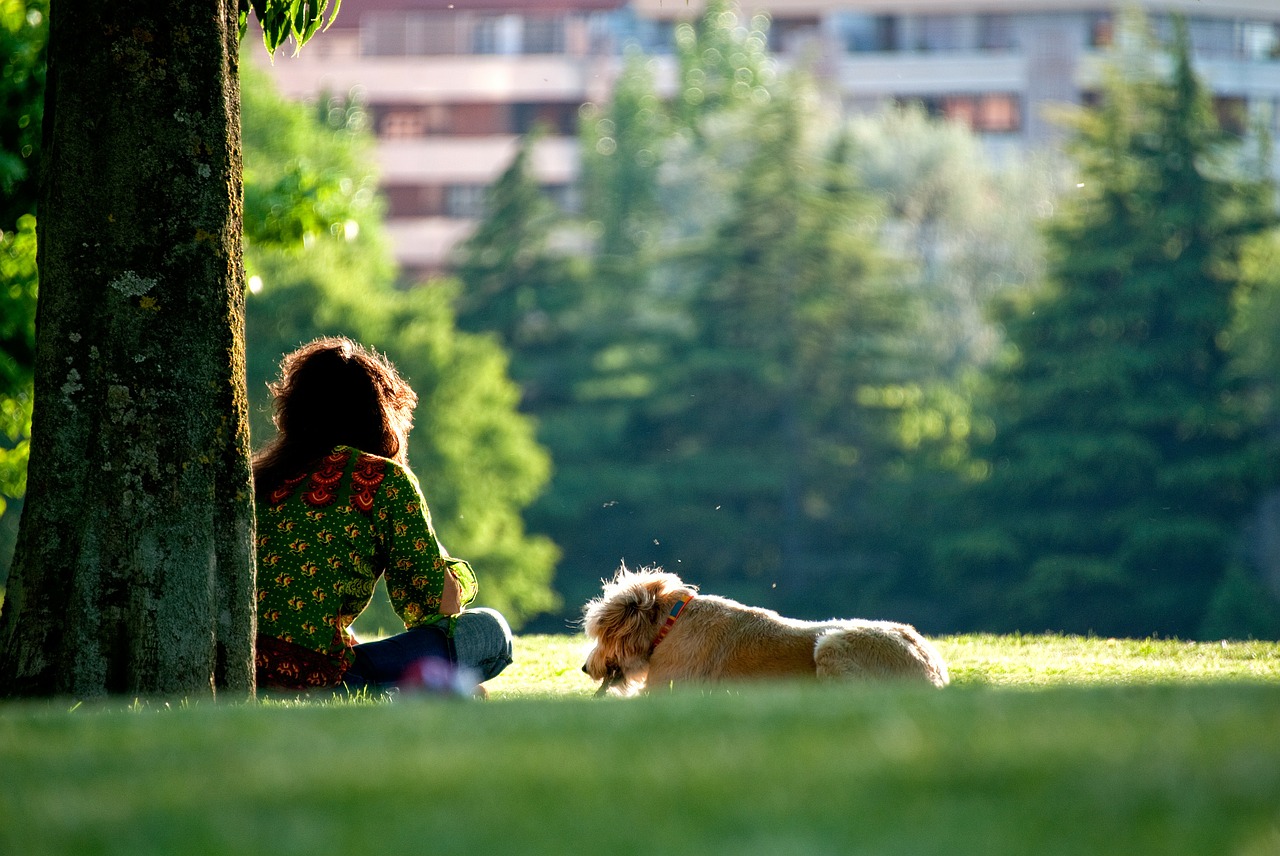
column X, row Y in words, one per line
column 1043, row 745
column 551, row 664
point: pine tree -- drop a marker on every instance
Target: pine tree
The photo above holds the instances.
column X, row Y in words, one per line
column 515, row 285
column 767, row 428
column 1126, row 451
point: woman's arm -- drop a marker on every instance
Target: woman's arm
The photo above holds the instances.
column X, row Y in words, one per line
column 451, row 601
column 422, row 579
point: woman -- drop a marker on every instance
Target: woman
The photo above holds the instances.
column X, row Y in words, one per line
column 338, row 507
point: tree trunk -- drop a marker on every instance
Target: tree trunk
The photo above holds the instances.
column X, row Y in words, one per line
column 134, row 570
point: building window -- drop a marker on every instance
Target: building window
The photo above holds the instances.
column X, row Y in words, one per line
column 1210, row 38
column 484, row 36
column 996, row 33
column 543, row 36
column 988, row 113
column 1101, row 30
column 399, row 123
column 496, row 34
column 382, row 35
column 564, row 196
column 862, row 33
column 432, row 35
column 791, row 35
column 1222, row 38
column 412, row 34
column 624, row 28
column 476, row 120
column 407, row 121
column 558, row 118
column 412, row 200
column 464, row 201
column 1260, row 40
column 998, row 114
column 938, row 33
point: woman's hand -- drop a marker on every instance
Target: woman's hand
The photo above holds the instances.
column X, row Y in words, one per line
column 451, row 600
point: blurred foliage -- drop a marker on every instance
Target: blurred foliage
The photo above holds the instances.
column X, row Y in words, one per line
column 23, row 33
column 302, row 183
column 516, row 288
column 1128, row 447
column 764, row 427
column 735, row 379
column 967, row 229
column 835, row 366
column 17, row 345
column 476, row 458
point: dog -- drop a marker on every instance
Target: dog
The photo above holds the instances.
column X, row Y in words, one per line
column 651, row 629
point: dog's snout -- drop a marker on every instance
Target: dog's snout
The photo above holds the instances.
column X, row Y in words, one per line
column 585, row 670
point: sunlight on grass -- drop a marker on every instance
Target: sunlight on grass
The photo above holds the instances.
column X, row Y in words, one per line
column 1056, row 746
column 551, row 665
column 1052, row 660
column 545, row 665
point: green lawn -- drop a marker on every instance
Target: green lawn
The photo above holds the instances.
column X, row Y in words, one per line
column 1043, row 745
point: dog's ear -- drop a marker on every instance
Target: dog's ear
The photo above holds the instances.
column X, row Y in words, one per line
column 640, row 604
column 625, row 616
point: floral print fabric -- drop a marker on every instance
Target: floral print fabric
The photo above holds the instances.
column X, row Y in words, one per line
column 324, row 538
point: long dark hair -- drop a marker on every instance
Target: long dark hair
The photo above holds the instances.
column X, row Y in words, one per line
column 333, row 392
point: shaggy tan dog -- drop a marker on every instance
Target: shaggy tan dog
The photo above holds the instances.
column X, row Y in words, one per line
column 651, row 629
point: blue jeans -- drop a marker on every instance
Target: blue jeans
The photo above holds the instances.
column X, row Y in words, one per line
column 481, row 645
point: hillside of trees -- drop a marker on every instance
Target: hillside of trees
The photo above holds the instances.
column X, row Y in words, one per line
column 840, row 366
column 828, row 365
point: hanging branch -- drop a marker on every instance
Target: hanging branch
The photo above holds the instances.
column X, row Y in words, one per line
column 284, row 19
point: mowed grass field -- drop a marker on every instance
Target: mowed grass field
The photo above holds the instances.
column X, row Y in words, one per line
column 1042, row 745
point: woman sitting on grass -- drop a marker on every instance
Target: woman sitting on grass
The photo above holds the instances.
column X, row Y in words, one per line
column 337, row 507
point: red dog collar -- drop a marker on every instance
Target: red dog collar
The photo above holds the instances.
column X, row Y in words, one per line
column 671, row 619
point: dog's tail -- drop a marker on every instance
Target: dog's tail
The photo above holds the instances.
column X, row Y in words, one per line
column 879, row 649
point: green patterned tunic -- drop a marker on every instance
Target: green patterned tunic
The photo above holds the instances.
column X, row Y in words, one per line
column 324, row 538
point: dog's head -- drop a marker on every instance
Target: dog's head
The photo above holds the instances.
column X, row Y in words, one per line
column 623, row 622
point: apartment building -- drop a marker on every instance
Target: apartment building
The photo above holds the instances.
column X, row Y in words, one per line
column 452, row 86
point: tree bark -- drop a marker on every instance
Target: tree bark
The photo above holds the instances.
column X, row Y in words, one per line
column 134, row 569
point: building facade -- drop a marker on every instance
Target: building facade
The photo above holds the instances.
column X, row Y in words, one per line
column 452, row 86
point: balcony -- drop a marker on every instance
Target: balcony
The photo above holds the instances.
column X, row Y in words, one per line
column 879, row 75
column 476, row 160
column 440, row 79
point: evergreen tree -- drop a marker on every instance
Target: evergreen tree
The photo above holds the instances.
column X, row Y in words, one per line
column 516, row 286
column 1126, row 450
column 721, row 64
column 621, row 156
column 565, row 295
column 743, row 372
column 768, row 431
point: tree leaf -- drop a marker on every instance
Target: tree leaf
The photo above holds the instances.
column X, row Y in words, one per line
column 282, row 19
